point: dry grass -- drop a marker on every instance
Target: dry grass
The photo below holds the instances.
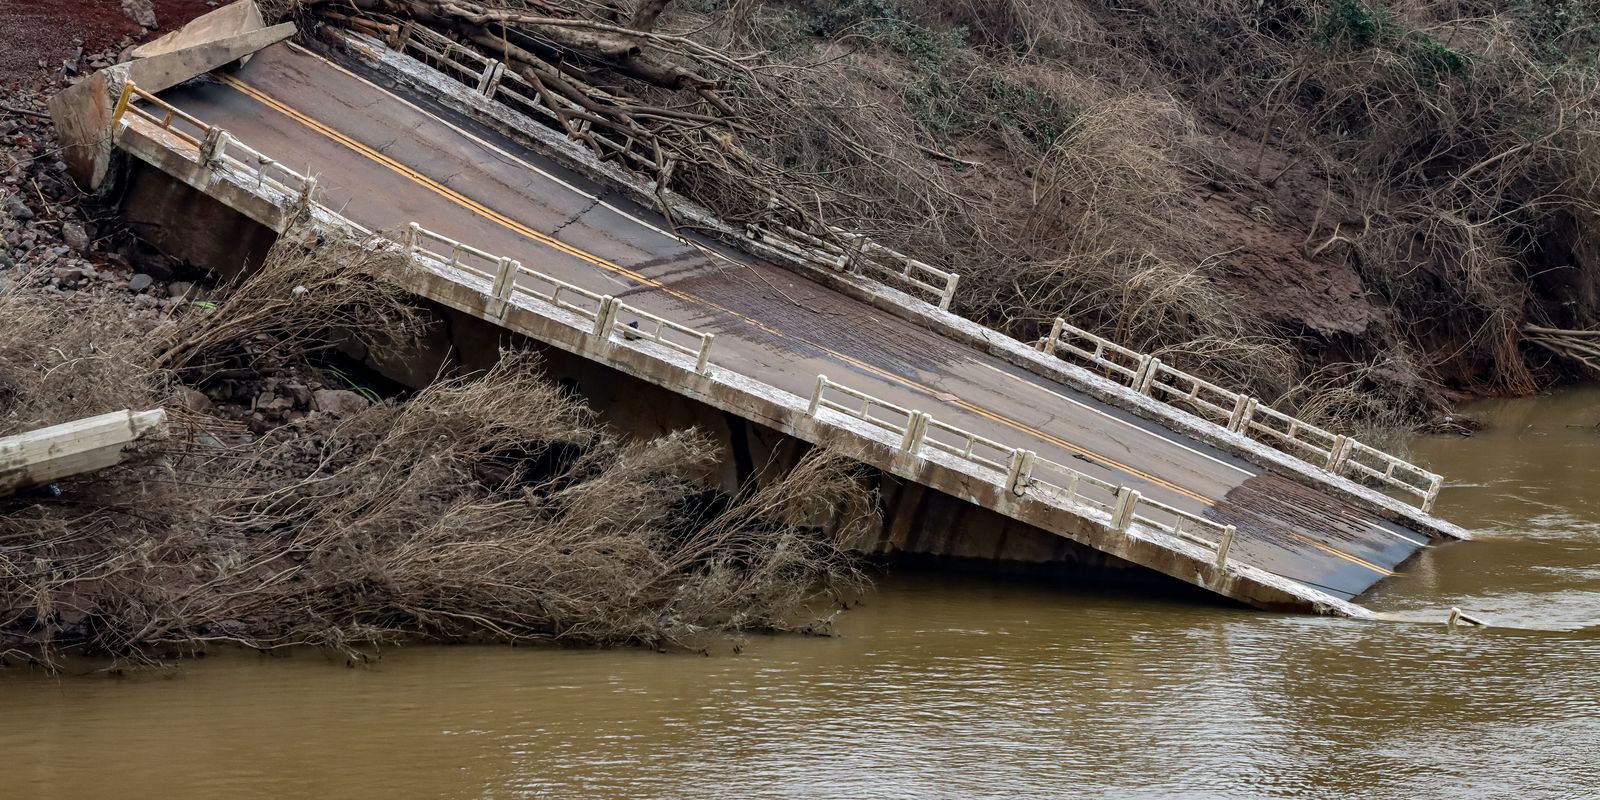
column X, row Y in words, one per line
column 486, row 507
column 63, row 357
column 1448, row 155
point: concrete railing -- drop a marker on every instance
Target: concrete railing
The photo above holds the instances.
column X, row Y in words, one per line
column 491, row 78
column 1021, row 471
column 509, row 279
column 213, row 145
column 1240, row 413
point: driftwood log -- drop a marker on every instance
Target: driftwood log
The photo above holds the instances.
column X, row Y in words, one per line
column 1581, row 346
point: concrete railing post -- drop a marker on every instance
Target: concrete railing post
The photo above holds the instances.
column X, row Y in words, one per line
column 1145, row 376
column 489, row 78
column 123, row 99
column 1243, row 412
column 949, row 291
column 212, row 146
column 410, row 241
column 1336, row 452
column 1122, row 512
column 1049, row 343
column 916, row 430
column 605, row 318
column 1019, row 475
column 505, row 283
column 308, row 188
column 1224, row 546
column 704, row 358
column 816, row 396
column 400, row 37
column 1433, row 493
column 1241, row 406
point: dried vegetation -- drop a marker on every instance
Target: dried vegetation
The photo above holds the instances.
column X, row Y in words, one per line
column 491, row 506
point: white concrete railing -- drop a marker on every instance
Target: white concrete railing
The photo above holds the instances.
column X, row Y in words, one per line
column 1240, row 413
column 1022, row 470
column 608, row 314
column 213, row 144
column 489, row 77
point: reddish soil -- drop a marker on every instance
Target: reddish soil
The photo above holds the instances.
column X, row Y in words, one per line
column 56, row 30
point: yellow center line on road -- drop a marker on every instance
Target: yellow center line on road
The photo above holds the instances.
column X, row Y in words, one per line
column 507, row 222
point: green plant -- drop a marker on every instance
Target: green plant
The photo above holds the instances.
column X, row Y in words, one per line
column 1039, row 116
column 1434, row 59
column 1357, row 26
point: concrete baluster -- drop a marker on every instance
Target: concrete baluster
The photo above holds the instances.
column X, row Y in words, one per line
column 1224, row 546
column 505, row 283
column 1122, row 512
column 1020, row 473
column 705, row 353
column 916, row 430
column 816, row 395
column 605, row 318
column 411, row 238
column 949, row 291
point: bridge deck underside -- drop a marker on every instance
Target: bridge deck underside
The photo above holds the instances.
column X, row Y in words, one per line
column 384, row 161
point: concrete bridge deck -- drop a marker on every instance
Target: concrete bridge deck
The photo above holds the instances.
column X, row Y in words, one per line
column 384, row 158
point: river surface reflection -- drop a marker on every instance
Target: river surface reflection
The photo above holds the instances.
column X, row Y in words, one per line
column 939, row 687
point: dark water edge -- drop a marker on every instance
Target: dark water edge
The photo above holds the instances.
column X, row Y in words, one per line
column 940, row 686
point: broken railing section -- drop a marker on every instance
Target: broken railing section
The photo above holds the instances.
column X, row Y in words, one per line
column 862, row 256
column 1241, row 413
column 214, row 145
column 1022, row 471
column 487, row 76
column 509, row 279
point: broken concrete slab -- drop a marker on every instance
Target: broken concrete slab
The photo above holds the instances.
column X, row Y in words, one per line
column 83, row 112
column 49, row 454
column 229, row 21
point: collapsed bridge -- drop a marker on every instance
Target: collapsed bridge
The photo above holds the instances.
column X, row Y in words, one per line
column 414, row 142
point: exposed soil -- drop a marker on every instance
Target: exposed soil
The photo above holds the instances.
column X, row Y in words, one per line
column 44, row 37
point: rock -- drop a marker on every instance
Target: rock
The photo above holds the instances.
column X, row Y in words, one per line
column 338, row 402
column 140, row 282
column 70, row 274
column 180, row 289
column 75, row 236
column 300, row 393
column 140, row 11
column 17, row 209
column 144, row 301
column 258, row 424
column 193, row 400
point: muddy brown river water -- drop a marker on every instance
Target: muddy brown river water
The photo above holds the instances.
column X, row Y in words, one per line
column 940, row 687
